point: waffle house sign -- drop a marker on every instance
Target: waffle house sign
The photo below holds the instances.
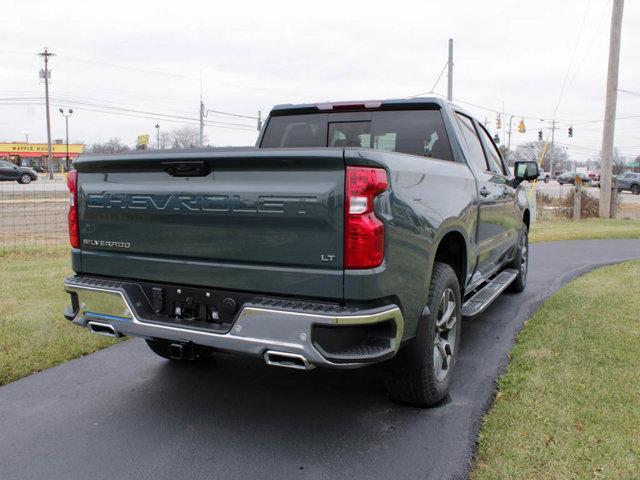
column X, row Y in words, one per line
column 37, row 150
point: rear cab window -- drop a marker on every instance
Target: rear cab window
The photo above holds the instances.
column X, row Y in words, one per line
column 415, row 132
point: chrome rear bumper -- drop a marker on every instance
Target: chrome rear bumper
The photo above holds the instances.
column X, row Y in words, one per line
column 105, row 308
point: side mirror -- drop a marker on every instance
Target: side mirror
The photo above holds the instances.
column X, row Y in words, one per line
column 526, row 171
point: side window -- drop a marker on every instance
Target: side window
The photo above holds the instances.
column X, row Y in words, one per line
column 493, row 155
column 472, row 141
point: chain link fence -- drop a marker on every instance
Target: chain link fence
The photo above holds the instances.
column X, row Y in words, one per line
column 35, row 214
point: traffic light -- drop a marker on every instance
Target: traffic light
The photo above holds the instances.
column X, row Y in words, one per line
column 496, row 138
column 498, row 122
column 571, row 131
column 521, row 127
column 540, row 135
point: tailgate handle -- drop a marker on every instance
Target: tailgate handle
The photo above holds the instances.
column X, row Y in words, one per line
column 193, row 168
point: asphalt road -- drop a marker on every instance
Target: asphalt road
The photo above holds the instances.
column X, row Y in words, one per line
column 554, row 189
column 125, row 413
column 43, row 184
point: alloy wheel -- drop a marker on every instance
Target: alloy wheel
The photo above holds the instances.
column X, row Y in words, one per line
column 445, row 337
column 524, row 251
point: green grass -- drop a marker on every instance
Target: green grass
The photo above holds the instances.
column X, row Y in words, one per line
column 569, row 404
column 33, row 333
column 550, row 231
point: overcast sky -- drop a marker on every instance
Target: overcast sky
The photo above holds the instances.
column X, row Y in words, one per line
column 140, row 58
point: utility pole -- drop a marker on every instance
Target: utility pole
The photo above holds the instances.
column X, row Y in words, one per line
column 202, row 115
column 553, row 154
column 158, row 135
column 66, row 121
column 45, row 74
column 509, row 141
column 259, row 120
column 450, row 71
column 610, row 110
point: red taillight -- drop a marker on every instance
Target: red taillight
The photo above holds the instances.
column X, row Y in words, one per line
column 72, row 184
column 363, row 231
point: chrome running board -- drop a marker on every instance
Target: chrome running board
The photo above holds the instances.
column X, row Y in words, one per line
column 487, row 294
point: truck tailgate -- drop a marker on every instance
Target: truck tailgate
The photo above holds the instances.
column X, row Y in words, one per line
column 262, row 221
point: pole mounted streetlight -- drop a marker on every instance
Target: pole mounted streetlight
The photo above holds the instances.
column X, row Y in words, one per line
column 26, row 136
column 66, row 116
column 158, row 135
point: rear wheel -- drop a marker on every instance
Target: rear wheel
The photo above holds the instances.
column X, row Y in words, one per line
column 635, row 189
column 421, row 374
column 24, row 178
column 521, row 262
column 546, row 179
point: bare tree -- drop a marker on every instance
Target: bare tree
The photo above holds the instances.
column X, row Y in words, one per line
column 113, row 145
column 619, row 162
column 166, row 139
column 506, row 153
column 185, row 137
column 531, row 152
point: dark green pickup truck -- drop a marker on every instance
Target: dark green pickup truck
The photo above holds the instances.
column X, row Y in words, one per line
column 353, row 233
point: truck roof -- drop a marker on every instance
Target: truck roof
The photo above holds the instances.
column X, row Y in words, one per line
column 408, row 103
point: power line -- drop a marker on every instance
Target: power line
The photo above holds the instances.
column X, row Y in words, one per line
column 231, row 114
column 446, row 64
column 588, row 50
column 136, row 114
column 629, row 91
column 179, row 75
column 575, row 49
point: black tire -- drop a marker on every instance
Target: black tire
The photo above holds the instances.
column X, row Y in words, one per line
column 546, row 179
column 635, row 189
column 25, row 179
column 521, row 262
column 421, row 373
column 162, row 348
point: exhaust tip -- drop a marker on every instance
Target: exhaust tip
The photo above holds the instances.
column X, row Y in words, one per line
column 287, row 360
column 103, row 329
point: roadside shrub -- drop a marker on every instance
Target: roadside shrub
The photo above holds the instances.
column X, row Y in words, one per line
column 549, row 207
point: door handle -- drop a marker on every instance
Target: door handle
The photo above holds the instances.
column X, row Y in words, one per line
column 484, row 191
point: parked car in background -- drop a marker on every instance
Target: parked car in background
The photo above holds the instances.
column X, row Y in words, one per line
column 629, row 181
column 594, row 176
column 544, row 177
column 570, row 178
column 11, row 171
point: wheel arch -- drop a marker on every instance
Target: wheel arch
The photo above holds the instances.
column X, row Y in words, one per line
column 452, row 249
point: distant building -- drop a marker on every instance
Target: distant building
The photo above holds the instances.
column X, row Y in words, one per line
column 34, row 155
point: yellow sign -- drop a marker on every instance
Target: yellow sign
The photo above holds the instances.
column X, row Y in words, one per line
column 17, row 148
column 143, row 139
